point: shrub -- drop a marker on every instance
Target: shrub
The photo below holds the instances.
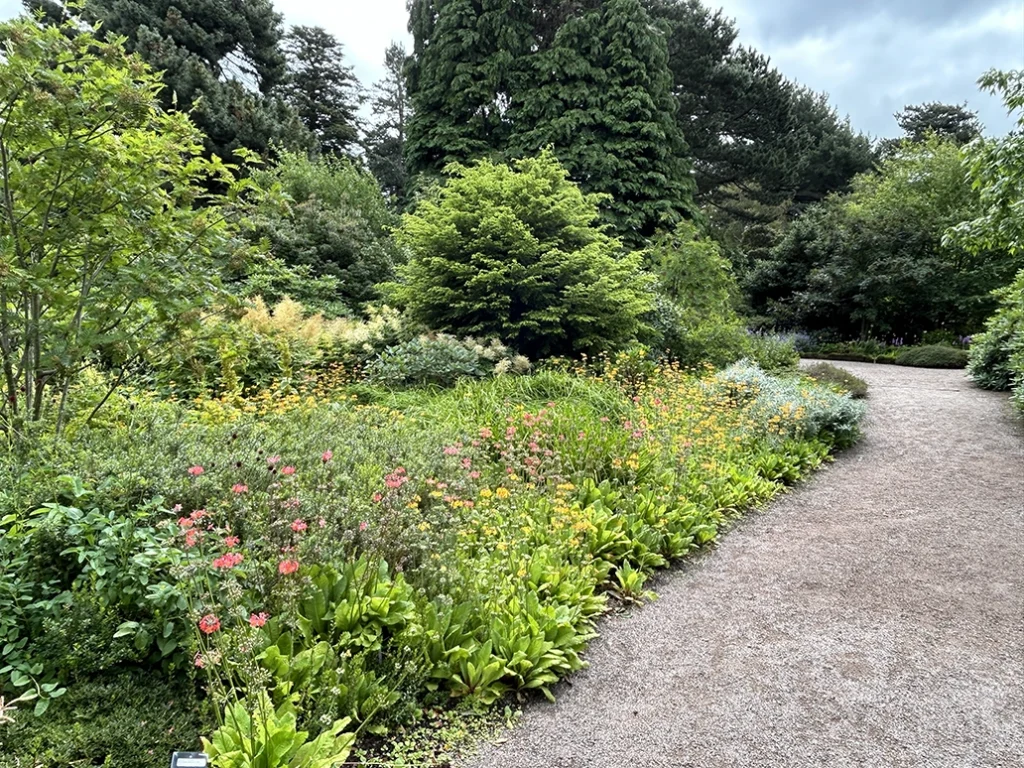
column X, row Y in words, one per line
column 773, row 352
column 443, row 360
column 997, row 355
column 932, row 356
column 336, row 223
column 838, row 378
column 130, row 719
column 516, row 253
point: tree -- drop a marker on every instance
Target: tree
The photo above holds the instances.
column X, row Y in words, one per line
column 996, row 170
column 600, row 96
column 953, row 122
column 109, row 243
column 321, row 89
column 754, row 135
column 336, row 225
column 385, row 143
column 462, row 79
column 514, row 252
column 220, row 58
column 874, row 260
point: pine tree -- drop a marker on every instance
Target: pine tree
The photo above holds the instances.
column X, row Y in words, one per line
column 321, row 89
column 600, row 96
column 385, row 142
column 222, row 59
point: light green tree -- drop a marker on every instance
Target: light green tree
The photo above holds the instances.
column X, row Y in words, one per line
column 516, row 252
column 109, row 242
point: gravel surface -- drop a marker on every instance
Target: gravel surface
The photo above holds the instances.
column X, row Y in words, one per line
column 873, row 617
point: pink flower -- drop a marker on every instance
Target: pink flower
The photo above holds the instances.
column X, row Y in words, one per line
column 192, row 537
column 272, row 460
column 399, row 470
column 258, row 619
column 198, row 660
column 486, row 433
column 287, row 566
column 186, row 522
column 451, row 450
column 229, row 560
column 239, row 488
column 474, row 475
column 326, row 456
column 198, row 514
column 288, row 471
column 209, row 624
column 231, row 541
column 467, row 463
column 196, row 471
column 377, row 497
column 534, row 447
column 363, row 525
column 177, row 508
column 299, row 525
column 322, row 523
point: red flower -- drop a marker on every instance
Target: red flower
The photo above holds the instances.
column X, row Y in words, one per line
column 196, row 471
column 192, row 537
column 230, row 560
column 326, row 456
column 288, row 470
column 258, row 619
column 185, row 522
column 288, row 566
column 239, row 488
column 209, row 624
column 231, row 541
column 299, row 525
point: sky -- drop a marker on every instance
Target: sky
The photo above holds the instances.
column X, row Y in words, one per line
column 872, row 57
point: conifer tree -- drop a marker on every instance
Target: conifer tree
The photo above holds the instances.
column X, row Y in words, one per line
column 600, row 96
column 385, row 142
column 321, row 89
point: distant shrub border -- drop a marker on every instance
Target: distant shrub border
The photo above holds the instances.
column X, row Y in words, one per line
column 933, row 356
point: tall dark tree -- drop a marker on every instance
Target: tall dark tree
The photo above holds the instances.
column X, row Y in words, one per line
column 220, row 58
column 321, row 89
column 385, row 142
column 462, row 78
column 754, row 135
column 600, row 96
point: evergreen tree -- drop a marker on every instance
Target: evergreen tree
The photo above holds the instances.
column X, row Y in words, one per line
column 600, row 97
column 462, row 78
column 321, row 89
column 953, row 122
column 754, row 135
column 222, row 59
column 385, row 143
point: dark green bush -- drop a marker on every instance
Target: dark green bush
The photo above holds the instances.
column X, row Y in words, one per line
column 839, row 378
column 997, row 356
column 932, row 356
column 131, row 719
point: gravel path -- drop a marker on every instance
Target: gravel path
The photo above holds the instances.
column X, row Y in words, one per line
column 874, row 617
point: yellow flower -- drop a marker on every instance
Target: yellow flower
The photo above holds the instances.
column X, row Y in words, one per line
column 501, row 492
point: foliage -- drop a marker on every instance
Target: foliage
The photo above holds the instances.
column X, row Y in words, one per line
column 951, row 122
column 106, row 251
column 874, row 262
column 337, row 223
column 996, row 169
column 932, row 356
column 323, row 92
column 590, row 80
column 269, row 738
column 220, row 64
column 600, row 97
column 754, row 135
column 131, row 718
column 385, row 141
column 839, row 378
column 443, row 360
column 773, row 352
column 514, row 253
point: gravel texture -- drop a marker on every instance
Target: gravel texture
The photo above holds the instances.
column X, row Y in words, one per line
column 873, row 617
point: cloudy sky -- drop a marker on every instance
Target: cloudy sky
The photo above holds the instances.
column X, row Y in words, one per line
column 871, row 56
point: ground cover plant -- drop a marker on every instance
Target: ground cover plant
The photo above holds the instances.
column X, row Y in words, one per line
column 339, row 563
column 845, row 381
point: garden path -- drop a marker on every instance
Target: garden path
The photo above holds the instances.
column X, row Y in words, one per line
column 874, row 617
